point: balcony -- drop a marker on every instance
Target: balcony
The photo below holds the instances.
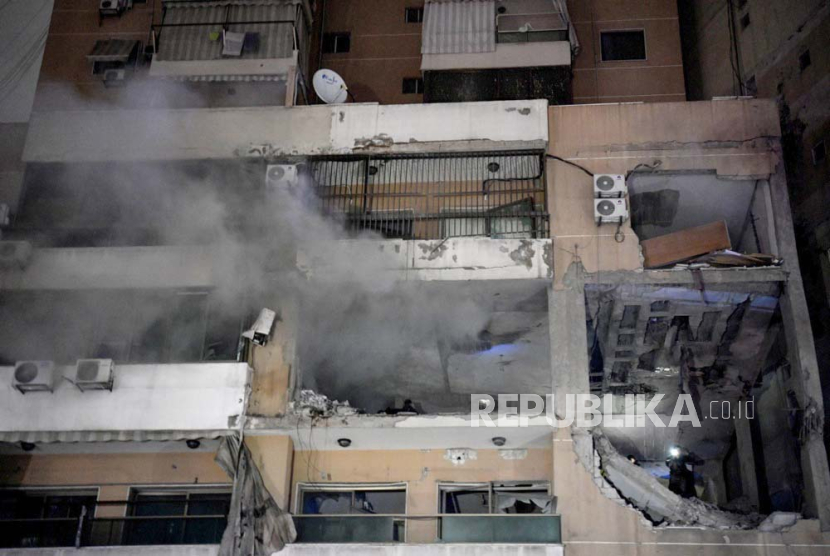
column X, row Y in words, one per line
column 229, row 41
column 146, row 402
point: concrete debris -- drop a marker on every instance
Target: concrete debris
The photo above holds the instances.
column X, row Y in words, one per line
column 647, row 494
column 778, row 521
column 311, row 404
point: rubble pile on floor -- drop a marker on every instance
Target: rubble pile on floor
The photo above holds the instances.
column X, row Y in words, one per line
column 311, row 404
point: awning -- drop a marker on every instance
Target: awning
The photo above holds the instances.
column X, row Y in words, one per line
column 112, row 50
column 108, row 436
column 562, row 7
column 200, row 38
column 459, row 26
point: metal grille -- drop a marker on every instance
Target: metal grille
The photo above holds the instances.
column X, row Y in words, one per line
column 436, row 196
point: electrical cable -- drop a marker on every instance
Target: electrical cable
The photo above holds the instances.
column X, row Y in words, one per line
column 574, row 164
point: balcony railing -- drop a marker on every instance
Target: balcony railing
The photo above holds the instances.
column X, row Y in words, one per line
column 448, row 528
column 531, row 27
column 84, row 530
column 437, row 196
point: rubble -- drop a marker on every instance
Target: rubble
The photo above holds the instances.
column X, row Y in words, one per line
column 643, row 491
column 311, row 404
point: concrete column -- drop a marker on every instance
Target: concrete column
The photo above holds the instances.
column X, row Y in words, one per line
column 746, row 459
column 802, row 356
column 568, row 337
column 274, row 456
column 273, row 364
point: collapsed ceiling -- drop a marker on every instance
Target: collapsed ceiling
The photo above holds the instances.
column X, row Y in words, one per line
column 709, row 343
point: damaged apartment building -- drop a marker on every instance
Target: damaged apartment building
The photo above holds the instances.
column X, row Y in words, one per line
column 234, row 320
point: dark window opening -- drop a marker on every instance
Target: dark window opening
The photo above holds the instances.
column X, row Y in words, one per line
column 336, row 43
column 623, row 45
column 414, row 15
column 34, row 508
column 206, row 512
column 745, row 21
column 413, row 86
column 804, row 60
column 819, row 153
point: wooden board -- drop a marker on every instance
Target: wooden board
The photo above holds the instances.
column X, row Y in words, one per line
column 685, row 244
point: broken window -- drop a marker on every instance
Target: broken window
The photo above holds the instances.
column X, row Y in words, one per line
column 492, row 498
column 384, row 508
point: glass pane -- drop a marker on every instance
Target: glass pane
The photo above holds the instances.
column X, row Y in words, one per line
column 327, row 502
column 207, row 530
column 156, row 531
column 381, row 501
column 467, row 502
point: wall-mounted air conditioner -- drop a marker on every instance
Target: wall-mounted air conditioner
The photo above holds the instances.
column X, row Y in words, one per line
column 15, row 254
column 114, row 77
column 281, row 175
column 34, row 376
column 610, row 210
column 609, row 185
column 93, row 374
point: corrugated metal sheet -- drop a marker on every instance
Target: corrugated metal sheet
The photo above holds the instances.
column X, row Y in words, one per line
column 459, row 26
column 276, row 40
column 107, row 436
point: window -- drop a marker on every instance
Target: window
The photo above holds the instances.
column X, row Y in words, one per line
column 745, row 21
column 531, row 497
column 368, row 500
column 207, row 510
column 61, row 508
column 413, row 86
column 414, row 15
column 623, row 45
column 336, row 43
column 819, row 153
column 804, row 60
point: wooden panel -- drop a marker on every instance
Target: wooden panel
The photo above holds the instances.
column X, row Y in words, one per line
column 682, row 245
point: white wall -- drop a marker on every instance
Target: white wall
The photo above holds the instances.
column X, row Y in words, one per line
column 187, row 134
column 23, row 26
column 181, row 397
column 113, row 267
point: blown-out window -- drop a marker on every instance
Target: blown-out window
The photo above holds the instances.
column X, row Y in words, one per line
column 531, row 497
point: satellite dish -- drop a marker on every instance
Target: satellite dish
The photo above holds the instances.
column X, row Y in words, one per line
column 329, row 86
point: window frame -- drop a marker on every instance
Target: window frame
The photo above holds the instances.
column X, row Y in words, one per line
column 303, row 487
column 491, row 488
column 414, row 9
column 419, row 85
column 334, row 36
column 59, row 491
column 625, row 30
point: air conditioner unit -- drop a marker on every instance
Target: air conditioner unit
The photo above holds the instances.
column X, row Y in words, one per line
column 610, row 210
column 93, row 374
column 113, row 7
column 281, row 175
column 34, row 376
column 609, row 185
column 114, row 77
column 15, row 254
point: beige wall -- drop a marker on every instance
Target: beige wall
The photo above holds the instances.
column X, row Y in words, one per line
column 421, row 470
column 112, row 474
column 615, row 138
column 659, row 78
column 274, row 456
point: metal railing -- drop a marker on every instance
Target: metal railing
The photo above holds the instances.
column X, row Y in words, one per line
column 499, row 194
column 531, row 27
column 132, row 530
column 444, row 528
